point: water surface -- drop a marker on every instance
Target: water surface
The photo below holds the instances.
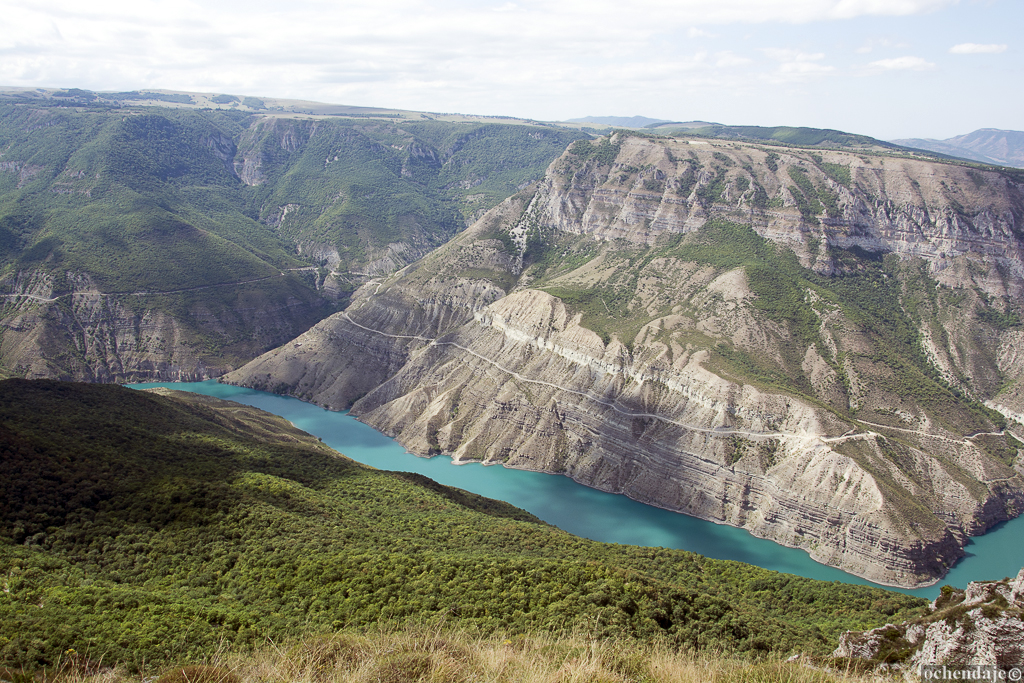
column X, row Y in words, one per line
column 593, row 514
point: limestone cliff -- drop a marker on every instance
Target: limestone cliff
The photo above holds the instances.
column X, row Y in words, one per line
column 794, row 343
column 981, row 626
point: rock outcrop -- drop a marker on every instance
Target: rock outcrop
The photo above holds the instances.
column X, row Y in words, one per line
column 982, row 625
column 684, row 325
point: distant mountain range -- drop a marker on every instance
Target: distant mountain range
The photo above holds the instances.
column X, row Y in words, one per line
column 619, row 121
column 989, row 145
column 639, row 122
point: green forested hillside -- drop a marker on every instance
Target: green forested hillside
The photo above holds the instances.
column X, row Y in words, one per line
column 137, row 527
column 135, row 208
column 358, row 186
column 137, row 202
column 150, row 198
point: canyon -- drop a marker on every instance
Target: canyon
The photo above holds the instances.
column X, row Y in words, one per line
column 818, row 345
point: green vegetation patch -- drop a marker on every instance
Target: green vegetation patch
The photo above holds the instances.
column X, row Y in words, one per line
column 804, row 137
column 139, row 202
column 603, row 152
column 805, row 195
column 139, row 198
column 838, row 172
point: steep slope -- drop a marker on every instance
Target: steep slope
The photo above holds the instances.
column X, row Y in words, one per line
column 795, row 343
column 127, row 253
column 155, row 528
column 365, row 198
column 149, row 243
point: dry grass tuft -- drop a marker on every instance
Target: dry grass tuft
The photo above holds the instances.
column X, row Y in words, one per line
column 198, row 673
column 425, row 656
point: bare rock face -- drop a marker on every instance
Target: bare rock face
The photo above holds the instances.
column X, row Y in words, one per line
column 791, row 343
column 75, row 332
column 981, row 625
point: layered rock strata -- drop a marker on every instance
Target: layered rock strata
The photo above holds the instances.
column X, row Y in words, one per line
column 78, row 333
column 646, row 382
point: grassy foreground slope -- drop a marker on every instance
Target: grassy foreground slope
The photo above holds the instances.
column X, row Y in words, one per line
column 455, row 656
column 138, row 527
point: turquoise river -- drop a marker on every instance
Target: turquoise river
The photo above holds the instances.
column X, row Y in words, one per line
column 593, row 514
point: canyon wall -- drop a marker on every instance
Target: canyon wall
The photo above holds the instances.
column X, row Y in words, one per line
column 799, row 343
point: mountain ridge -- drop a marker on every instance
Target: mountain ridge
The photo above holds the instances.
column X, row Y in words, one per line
column 141, row 242
column 620, row 121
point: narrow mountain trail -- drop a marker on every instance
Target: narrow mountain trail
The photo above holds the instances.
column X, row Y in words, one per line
column 934, row 436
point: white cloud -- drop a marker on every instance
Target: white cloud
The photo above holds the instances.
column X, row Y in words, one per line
column 795, row 65
column 700, row 12
column 537, row 58
column 874, row 43
column 790, row 55
column 726, row 59
column 902, row 64
column 848, row 9
column 976, row 49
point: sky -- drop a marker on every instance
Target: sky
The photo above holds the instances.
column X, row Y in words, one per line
column 886, row 68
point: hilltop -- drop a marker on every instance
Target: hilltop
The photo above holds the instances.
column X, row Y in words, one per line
column 278, row 107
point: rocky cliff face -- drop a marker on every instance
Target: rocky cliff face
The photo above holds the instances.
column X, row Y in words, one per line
column 791, row 343
column 805, row 200
column 74, row 332
column 980, row 626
